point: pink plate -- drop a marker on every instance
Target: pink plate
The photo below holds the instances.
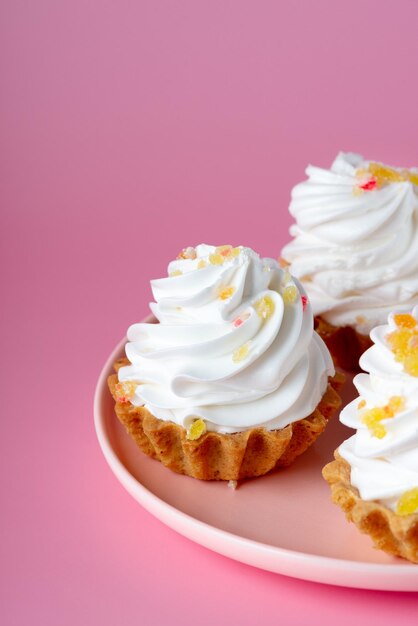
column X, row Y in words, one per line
column 283, row 522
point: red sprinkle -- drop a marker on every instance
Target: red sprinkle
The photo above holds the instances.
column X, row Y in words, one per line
column 238, row 322
column 304, row 302
column 369, row 185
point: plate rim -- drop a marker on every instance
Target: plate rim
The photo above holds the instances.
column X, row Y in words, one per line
column 316, row 568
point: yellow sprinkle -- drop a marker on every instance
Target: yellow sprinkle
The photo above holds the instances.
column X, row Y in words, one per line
column 413, row 177
column 216, row 259
column 405, row 320
column 372, row 417
column 201, row 264
column 264, row 307
column 241, row 353
column 176, row 273
column 357, row 191
column 385, row 174
column 237, row 251
column 196, row 430
column 289, row 294
column 411, row 364
column 408, row 502
column 225, row 292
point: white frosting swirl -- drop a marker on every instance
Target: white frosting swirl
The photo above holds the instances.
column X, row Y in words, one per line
column 185, row 365
column 383, row 469
column 356, row 254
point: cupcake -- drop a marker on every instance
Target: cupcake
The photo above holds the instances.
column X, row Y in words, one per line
column 233, row 381
column 355, row 249
column 374, row 477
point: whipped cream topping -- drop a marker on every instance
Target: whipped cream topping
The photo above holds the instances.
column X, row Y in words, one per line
column 235, row 345
column 355, row 246
column 383, row 467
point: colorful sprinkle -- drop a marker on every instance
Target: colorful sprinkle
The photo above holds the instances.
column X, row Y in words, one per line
column 196, row 430
column 304, row 302
column 241, row 353
column 405, row 320
column 373, row 417
column 201, row 264
column 216, row 259
column 290, row 294
column 125, row 391
column 175, row 273
column 283, row 263
column 264, row 307
column 240, row 320
column 222, row 254
column 369, row 185
column 377, row 175
column 404, row 342
column 361, row 404
column 187, row 253
column 408, row 502
column 225, row 293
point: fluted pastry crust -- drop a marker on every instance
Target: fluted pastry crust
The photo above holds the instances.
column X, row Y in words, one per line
column 395, row 534
column 216, row 456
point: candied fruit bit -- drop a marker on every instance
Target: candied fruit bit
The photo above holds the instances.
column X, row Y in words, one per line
column 369, row 185
column 289, row 294
column 225, row 292
column 413, row 177
column 395, row 404
column 125, row 391
column 304, row 302
column 236, row 251
column 413, row 342
column 224, row 250
column 384, row 174
column 175, row 273
column 398, row 341
column 411, row 364
column 196, row 430
column 408, row 502
column 264, row 307
column 283, row 263
column 405, row 320
column 361, row 404
column 201, row 264
column 187, row 253
column 240, row 320
column 241, row 353
column 216, row 259
column 372, row 417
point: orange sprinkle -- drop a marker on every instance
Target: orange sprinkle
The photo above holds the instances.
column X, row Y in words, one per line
column 405, row 320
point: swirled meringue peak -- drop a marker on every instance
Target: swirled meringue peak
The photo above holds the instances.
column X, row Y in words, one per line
column 383, row 454
column 235, row 346
column 355, row 246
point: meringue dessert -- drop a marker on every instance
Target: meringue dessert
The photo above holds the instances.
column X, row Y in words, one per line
column 355, row 249
column 233, row 381
column 374, row 477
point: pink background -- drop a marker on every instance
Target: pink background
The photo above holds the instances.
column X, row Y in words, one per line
column 130, row 129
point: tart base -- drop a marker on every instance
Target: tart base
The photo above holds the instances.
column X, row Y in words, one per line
column 216, row 456
column 345, row 344
column 392, row 533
